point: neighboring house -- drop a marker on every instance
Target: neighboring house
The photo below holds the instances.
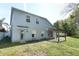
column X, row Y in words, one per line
column 26, row 26
column 2, row 32
column 2, row 29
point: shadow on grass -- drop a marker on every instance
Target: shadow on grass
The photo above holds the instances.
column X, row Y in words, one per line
column 7, row 44
column 60, row 40
column 75, row 36
column 57, row 41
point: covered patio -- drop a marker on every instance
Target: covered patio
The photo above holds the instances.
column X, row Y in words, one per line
column 57, row 35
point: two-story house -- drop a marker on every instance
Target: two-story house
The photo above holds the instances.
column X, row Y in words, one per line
column 26, row 26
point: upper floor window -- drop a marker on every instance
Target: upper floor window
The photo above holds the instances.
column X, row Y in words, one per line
column 37, row 22
column 27, row 18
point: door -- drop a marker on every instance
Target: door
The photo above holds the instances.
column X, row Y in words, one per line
column 22, row 34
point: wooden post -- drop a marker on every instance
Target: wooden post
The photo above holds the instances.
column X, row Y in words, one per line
column 58, row 37
column 65, row 36
column 55, row 34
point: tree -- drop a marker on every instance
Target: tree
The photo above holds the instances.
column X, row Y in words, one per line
column 65, row 28
column 69, row 25
column 7, row 26
column 69, row 7
column 4, row 23
column 57, row 27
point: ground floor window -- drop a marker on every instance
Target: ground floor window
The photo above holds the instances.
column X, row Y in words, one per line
column 33, row 35
column 42, row 35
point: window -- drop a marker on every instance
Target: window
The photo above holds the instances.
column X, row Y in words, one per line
column 42, row 35
column 27, row 18
column 37, row 22
column 32, row 35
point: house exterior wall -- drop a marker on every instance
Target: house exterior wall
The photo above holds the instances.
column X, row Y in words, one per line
column 18, row 18
column 7, row 33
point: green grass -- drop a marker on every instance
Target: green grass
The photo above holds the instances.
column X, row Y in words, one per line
column 48, row 47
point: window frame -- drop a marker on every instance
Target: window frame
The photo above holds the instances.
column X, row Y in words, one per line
column 33, row 35
column 37, row 22
column 27, row 18
column 42, row 35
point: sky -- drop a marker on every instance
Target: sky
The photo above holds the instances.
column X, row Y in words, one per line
column 51, row 11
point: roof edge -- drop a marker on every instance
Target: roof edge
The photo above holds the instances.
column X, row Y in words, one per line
column 13, row 8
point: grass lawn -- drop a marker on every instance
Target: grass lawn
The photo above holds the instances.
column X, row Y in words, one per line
column 48, row 47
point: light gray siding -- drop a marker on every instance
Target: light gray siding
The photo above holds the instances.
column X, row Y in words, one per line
column 19, row 19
